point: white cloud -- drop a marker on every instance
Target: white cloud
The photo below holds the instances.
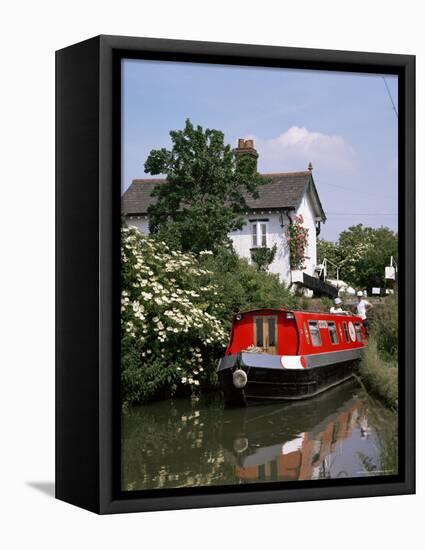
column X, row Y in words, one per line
column 295, row 148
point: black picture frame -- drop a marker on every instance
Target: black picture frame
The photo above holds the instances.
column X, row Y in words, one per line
column 88, row 272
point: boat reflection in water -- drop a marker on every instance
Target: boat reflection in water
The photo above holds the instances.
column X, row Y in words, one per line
column 186, row 443
column 316, row 450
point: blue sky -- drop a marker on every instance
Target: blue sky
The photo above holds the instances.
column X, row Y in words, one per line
column 343, row 123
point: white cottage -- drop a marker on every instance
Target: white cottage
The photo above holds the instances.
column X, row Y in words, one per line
column 288, row 194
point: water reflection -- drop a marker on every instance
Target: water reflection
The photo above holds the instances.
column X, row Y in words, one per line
column 184, row 443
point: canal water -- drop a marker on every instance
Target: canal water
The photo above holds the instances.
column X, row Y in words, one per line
column 198, row 442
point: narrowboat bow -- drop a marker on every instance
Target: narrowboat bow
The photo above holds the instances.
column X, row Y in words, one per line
column 277, row 354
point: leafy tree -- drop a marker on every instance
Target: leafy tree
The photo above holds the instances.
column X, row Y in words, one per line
column 331, row 251
column 205, row 192
column 362, row 254
column 383, row 243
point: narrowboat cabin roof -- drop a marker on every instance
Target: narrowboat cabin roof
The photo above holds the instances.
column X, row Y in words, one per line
column 267, row 310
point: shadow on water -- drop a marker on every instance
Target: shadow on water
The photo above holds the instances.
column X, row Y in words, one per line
column 186, row 443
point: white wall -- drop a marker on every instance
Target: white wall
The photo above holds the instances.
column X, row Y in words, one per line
column 242, row 243
column 140, row 222
column 242, row 239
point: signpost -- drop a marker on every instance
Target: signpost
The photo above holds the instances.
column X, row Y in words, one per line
column 391, row 270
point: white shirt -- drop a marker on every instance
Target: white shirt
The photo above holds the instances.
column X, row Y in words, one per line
column 336, row 310
column 361, row 308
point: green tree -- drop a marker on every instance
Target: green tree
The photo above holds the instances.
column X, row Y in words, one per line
column 383, row 243
column 330, row 251
column 204, row 195
column 361, row 253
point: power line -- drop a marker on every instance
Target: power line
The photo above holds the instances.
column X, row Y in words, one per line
column 362, row 213
column 390, row 96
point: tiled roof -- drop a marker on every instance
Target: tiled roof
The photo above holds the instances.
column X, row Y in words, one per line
column 137, row 198
column 284, row 191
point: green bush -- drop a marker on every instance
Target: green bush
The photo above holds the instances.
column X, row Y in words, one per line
column 242, row 287
column 379, row 365
column 264, row 256
column 384, row 324
column 379, row 376
column 176, row 313
column 170, row 331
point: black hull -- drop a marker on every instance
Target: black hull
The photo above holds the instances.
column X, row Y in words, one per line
column 271, row 385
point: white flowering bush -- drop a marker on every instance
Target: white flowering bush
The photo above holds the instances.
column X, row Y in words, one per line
column 171, row 333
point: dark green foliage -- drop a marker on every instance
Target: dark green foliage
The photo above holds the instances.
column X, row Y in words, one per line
column 362, row 254
column 379, row 366
column 156, row 380
column 242, row 287
column 203, row 199
column 263, row 257
column 385, row 327
column 378, row 375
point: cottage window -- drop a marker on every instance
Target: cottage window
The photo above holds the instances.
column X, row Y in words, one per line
column 332, row 332
column 259, row 234
column 314, row 333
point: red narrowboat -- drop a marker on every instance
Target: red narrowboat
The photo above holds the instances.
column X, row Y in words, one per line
column 277, row 354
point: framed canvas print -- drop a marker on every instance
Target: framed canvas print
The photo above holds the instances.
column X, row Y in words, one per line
column 235, row 274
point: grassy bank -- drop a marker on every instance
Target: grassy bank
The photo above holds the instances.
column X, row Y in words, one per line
column 378, row 375
column 379, row 366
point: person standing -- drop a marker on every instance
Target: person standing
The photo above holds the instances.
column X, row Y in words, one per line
column 363, row 306
column 336, row 308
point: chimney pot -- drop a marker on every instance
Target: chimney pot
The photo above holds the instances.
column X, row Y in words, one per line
column 246, row 147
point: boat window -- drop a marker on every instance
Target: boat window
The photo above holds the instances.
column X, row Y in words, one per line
column 332, row 332
column 272, row 331
column 259, row 331
column 358, row 332
column 314, row 333
column 347, row 334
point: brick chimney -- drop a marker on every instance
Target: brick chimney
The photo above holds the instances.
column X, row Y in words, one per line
column 246, row 147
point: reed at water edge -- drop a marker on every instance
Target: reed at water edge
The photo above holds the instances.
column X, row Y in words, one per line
column 379, row 365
